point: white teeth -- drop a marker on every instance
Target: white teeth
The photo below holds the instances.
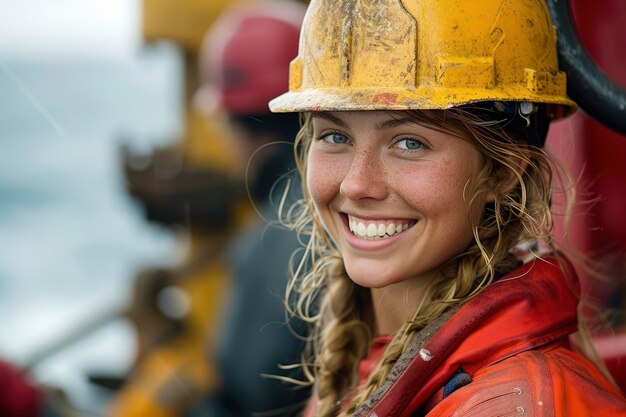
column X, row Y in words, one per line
column 375, row 231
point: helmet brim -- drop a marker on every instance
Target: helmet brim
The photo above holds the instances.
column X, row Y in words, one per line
column 310, row 100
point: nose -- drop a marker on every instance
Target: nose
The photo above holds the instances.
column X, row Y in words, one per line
column 365, row 178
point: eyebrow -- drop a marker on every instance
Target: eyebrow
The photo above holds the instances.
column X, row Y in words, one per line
column 393, row 122
column 329, row 117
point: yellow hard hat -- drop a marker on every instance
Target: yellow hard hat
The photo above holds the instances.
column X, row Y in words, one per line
column 424, row 54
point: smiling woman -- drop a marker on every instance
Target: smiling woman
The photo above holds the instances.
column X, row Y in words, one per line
column 378, row 182
column 435, row 287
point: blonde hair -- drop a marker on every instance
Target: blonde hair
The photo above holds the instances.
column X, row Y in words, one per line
column 340, row 312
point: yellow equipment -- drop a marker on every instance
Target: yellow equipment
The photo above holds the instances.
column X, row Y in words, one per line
column 175, row 374
column 184, row 22
column 172, row 370
column 424, row 54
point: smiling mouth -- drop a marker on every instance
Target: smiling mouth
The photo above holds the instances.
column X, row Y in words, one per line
column 377, row 229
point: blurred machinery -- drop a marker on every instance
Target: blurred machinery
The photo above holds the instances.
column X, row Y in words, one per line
column 194, row 185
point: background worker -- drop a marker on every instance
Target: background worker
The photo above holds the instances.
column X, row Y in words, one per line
column 193, row 361
column 244, row 63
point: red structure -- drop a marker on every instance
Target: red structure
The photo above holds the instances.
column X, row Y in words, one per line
column 596, row 157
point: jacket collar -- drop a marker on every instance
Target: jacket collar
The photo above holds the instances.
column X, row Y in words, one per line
column 532, row 306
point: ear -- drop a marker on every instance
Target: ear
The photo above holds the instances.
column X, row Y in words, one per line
column 507, row 176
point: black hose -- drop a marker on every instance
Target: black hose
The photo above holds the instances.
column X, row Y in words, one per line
column 587, row 84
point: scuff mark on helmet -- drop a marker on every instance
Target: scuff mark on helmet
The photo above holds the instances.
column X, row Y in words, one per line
column 349, row 9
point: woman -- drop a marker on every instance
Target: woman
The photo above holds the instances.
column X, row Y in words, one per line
column 426, row 202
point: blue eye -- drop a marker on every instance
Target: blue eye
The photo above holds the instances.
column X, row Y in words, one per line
column 409, row 144
column 335, row 138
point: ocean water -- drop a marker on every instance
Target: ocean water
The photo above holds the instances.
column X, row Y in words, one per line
column 70, row 237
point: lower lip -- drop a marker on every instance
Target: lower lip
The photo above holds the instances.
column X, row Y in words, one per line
column 370, row 245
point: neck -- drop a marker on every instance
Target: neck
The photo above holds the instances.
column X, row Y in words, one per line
column 396, row 304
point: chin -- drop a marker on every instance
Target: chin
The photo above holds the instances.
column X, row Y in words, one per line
column 370, row 277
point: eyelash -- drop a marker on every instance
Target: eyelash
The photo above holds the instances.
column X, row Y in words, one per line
column 421, row 143
column 324, row 135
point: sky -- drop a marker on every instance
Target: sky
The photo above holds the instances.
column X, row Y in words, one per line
column 47, row 27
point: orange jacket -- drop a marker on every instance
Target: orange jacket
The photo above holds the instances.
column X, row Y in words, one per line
column 506, row 352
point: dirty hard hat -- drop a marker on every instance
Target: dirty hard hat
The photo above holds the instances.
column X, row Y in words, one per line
column 424, row 54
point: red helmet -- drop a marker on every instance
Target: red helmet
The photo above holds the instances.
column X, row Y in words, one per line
column 245, row 56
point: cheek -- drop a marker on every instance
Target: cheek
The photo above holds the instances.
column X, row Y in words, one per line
column 431, row 189
column 441, row 188
column 322, row 177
